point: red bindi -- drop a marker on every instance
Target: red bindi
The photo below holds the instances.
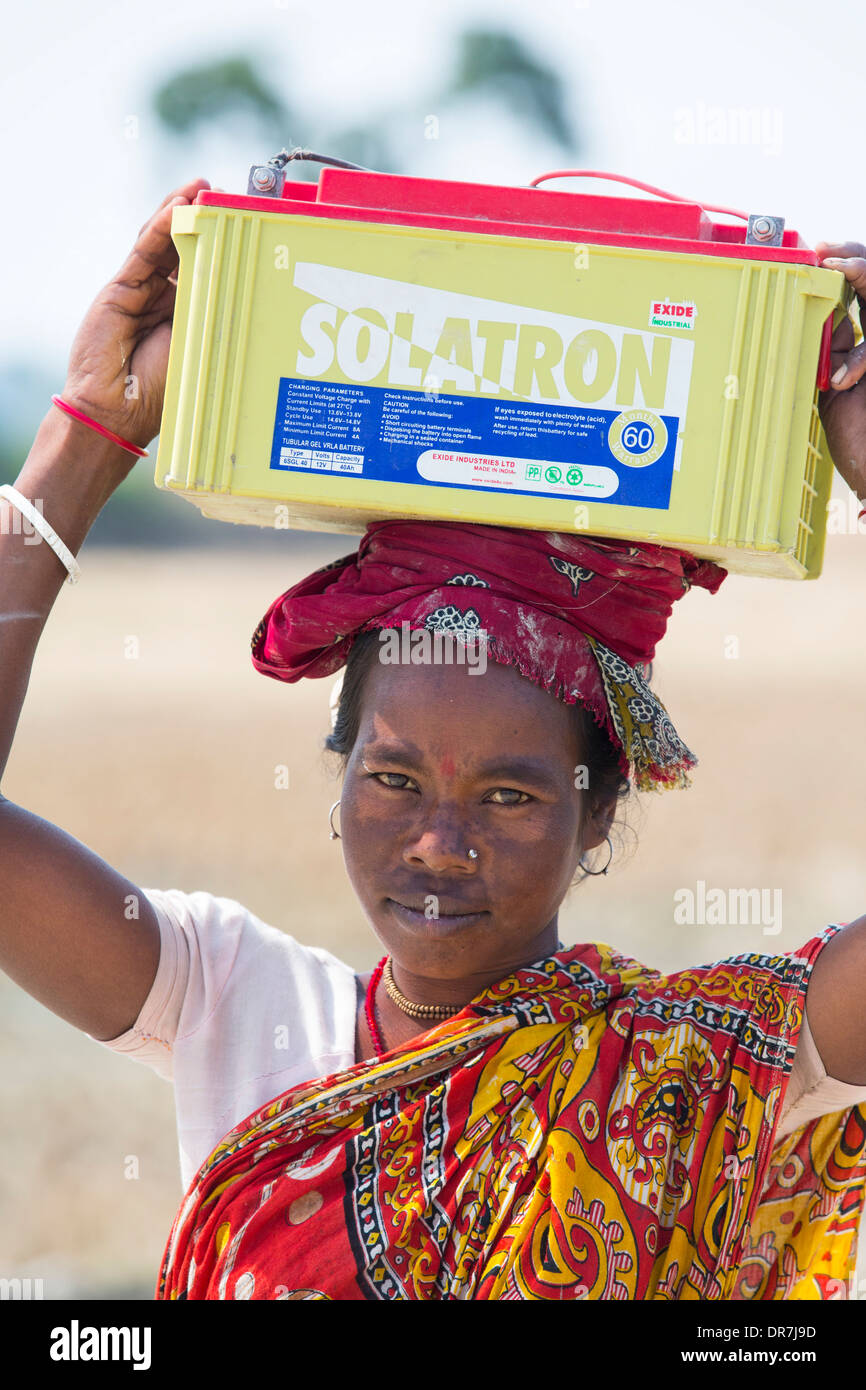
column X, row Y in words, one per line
column 446, row 766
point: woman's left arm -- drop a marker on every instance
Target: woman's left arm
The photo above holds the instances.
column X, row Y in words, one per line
column 836, row 997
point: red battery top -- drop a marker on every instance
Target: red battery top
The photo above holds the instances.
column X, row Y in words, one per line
column 658, row 224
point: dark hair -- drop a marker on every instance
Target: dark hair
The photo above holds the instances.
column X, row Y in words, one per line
column 605, row 779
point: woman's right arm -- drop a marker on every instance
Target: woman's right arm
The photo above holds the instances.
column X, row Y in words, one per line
column 69, row 933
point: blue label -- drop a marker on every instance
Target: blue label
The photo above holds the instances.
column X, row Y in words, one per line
column 476, row 443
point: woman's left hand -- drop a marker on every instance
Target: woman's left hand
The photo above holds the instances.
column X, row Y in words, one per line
column 843, row 405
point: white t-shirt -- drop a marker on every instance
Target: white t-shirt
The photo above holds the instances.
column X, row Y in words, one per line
column 240, row 1012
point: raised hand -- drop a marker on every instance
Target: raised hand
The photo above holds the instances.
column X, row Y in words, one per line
column 119, row 359
column 843, row 405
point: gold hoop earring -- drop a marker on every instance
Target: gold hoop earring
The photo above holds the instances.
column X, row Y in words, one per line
column 335, row 834
column 581, row 865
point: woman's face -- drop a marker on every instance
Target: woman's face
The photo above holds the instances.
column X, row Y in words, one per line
column 448, row 760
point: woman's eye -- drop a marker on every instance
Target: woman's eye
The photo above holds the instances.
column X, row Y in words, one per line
column 511, row 791
column 402, row 783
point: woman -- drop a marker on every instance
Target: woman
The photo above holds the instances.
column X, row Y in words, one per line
column 487, row 1114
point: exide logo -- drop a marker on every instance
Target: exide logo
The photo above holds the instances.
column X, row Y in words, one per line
column 673, row 310
column 665, row 313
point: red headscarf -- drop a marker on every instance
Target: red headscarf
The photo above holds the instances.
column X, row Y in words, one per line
column 578, row 616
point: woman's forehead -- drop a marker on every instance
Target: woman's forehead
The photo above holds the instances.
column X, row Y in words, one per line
column 430, row 706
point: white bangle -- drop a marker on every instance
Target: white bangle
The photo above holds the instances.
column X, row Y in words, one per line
column 63, row 553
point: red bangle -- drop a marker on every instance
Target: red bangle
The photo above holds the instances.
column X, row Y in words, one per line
column 86, row 420
column 861, row 514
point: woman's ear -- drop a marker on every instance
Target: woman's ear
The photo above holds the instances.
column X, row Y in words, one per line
column 597, row 826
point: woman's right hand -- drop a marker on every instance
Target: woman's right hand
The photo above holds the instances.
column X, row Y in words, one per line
column 119, row 359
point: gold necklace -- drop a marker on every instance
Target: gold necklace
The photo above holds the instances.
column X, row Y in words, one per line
column 415, row 1010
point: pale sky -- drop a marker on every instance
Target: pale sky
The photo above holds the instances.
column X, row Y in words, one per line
column 652, row 87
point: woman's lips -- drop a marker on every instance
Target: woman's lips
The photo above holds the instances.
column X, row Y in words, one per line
column 452, row 919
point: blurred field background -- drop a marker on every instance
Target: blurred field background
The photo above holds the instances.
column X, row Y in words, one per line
column 164, row 763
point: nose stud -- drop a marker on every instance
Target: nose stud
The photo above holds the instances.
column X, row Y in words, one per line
column 473, row 853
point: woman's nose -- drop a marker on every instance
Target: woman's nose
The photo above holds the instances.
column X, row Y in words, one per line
column 443, row 842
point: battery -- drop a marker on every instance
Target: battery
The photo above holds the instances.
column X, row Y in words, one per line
column 375, row 346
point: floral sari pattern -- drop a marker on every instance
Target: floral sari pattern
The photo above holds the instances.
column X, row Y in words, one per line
column 586, row 1128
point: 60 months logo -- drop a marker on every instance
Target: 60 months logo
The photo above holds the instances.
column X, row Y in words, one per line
column 637, row 438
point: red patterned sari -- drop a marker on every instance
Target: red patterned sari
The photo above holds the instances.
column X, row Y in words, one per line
column 585, row 1128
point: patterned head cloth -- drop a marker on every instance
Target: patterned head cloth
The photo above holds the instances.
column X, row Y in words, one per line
column 578, row 616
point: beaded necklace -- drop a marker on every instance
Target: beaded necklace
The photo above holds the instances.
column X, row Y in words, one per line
column 368, row 1007
column 426, row 1012
column 418, row 1010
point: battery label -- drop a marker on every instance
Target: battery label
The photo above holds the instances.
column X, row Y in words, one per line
column 624, row 457
column 507, row 396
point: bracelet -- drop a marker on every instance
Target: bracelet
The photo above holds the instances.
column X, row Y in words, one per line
column 63, row 553
column 86, row 420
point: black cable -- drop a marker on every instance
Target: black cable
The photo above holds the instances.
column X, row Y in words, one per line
column 279, row 161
